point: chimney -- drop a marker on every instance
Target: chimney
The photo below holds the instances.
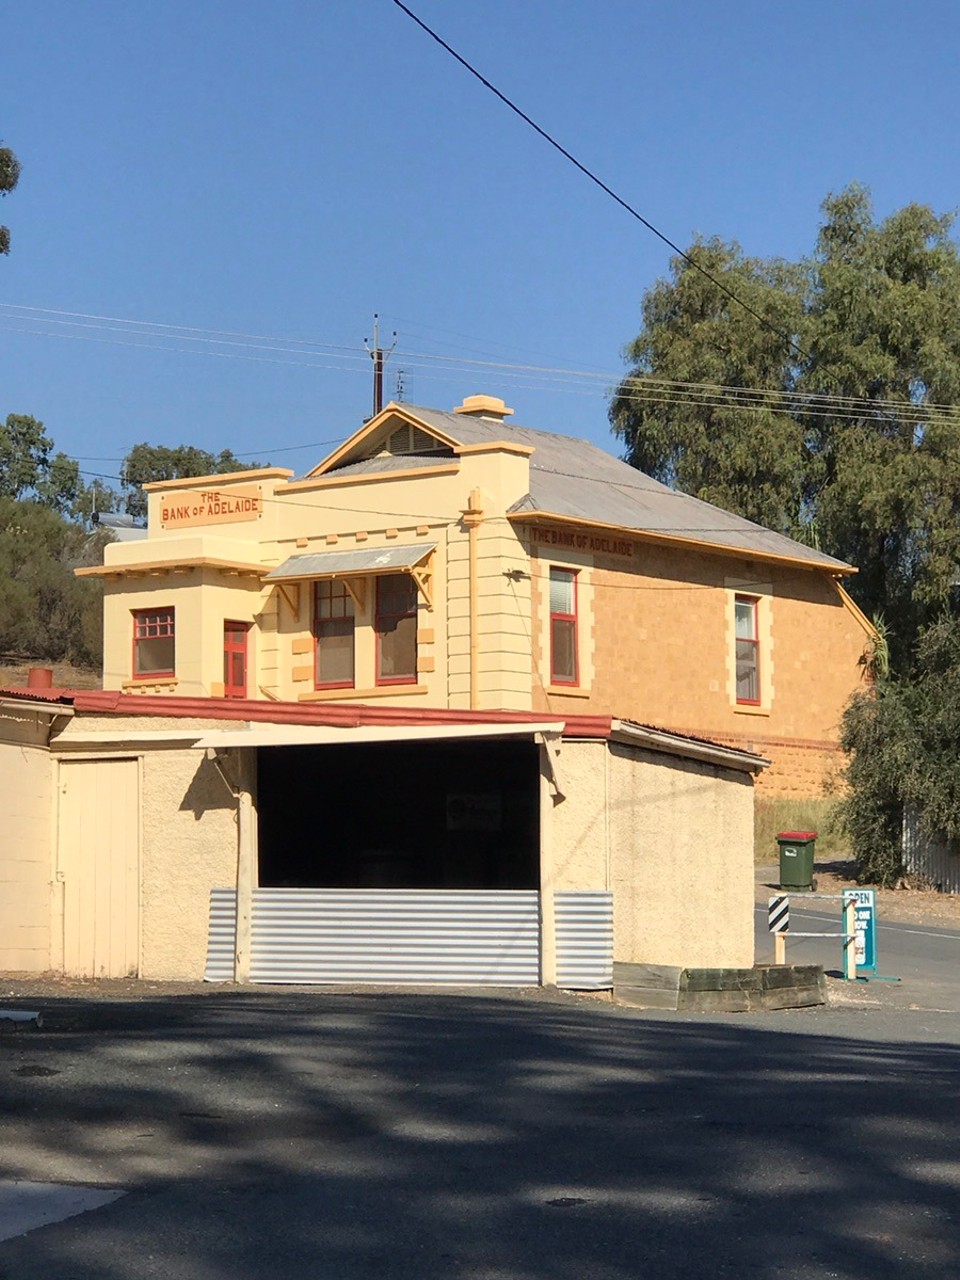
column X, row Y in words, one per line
column 491, row 407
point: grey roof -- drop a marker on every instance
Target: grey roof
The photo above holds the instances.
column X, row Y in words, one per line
column 576, row 479
column 383, row 462
column 334, row 564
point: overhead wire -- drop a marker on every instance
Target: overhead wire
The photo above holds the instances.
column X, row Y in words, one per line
column 552, row 373
column 588, row 173
column 634, row 389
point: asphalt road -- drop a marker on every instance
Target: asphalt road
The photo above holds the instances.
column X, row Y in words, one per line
column 925, row 960
column 430, row 1137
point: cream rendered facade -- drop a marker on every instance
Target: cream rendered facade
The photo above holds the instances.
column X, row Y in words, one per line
column 655, row 623
column 122, row 827
column 167, row 825
column 212, row 577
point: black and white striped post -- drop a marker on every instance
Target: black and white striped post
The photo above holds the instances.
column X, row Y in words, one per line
column 778, row 922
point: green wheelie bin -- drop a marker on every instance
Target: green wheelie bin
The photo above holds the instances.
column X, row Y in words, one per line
column 796, row 859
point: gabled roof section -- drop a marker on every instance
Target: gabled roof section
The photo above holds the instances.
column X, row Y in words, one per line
column 369, row 443
column 575, row 480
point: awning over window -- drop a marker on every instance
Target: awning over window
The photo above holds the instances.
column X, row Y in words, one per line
column 342, row 564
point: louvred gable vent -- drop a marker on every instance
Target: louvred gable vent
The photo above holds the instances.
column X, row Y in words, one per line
column 410, row 439
column 423, row 441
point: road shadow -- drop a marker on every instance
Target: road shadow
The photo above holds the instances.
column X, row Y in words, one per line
column 319, row 1135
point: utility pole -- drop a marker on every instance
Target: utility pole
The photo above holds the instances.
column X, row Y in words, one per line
column 379, row 358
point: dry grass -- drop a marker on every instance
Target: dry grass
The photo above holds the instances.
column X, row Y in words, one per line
column 13, row 674
column 773, row 815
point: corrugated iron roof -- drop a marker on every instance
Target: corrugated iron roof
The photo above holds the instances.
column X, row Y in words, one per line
column 575, row 479
column 345, row 715
column 335, row 564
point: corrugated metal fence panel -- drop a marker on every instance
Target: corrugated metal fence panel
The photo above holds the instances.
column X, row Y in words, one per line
column 584, row 940
column 222, row 938
column 396, row 936
column 936, row 859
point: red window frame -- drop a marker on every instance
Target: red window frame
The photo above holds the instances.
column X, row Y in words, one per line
column 752, row 664
column 558, row 619
column 336, row 593
column 385, row 620
column 153, row 624
column 235, row 637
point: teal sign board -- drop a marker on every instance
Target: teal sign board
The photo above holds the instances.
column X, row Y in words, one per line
column 865, row 924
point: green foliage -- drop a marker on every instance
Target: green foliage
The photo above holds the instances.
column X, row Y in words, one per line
column 874, row 316
column 30, row 469
column 145, row 463
column 877, row 731
column 9, row 177
column 751, row 461
column 902, row 738
column 45, row 521
column 45, row 611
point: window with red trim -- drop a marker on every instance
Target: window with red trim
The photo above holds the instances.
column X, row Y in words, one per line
column 396, row 628
column 563, row 627
column 154, row 641
column 235, row 659
column 333, row 630
column 748, row 650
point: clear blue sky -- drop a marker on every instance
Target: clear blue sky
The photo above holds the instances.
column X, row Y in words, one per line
column 283, row 170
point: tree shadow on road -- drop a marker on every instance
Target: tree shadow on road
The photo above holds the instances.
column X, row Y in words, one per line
column 324, row 1135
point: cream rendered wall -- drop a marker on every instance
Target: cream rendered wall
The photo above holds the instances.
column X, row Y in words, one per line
column 581, row 848
column 681, row 846
column 189, row 847
column 188, row 835
column 222, row 598
column 338, row 514
column 26, row 861
column 287, row 635
column 182, row 592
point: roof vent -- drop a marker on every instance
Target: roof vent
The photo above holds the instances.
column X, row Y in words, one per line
column 484, row 407
column 410, row 439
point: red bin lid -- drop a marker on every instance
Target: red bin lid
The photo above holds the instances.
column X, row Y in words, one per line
column 796, row 835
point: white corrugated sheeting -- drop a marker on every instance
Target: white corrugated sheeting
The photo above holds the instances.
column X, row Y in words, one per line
column 221, row 940
column 934, row 858
column 460, row 937
column 584, row 940
column 483, row 937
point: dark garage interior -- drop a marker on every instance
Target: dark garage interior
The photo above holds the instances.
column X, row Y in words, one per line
column 417, row 815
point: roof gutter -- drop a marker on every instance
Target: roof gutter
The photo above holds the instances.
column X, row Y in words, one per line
column 52, row 709
column 636, row 735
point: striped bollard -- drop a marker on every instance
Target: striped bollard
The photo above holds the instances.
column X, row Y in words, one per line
column 778, row 922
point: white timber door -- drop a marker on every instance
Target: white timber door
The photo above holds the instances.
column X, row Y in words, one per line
column 98, row 848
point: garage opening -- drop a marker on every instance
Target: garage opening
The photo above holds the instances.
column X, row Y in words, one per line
column 424, row 815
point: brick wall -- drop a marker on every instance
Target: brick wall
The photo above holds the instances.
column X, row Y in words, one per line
column 659, row 638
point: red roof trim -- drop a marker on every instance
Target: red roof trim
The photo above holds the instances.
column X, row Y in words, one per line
column 343, row 715
column 25, row 694
column 334, row 714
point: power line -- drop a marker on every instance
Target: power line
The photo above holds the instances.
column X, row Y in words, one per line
column 639, row 389
column 588, row 173
column 533, row 375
